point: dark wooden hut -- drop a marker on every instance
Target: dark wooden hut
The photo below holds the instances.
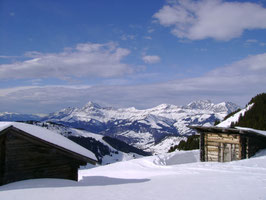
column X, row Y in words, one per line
column 28, row 152
column 227, row 144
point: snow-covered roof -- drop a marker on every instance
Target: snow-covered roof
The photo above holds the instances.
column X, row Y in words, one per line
column 252, row 130
column 49, row 137
column 239, row 130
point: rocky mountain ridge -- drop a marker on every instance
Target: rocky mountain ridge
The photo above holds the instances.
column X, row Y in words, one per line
column 154, row 129
column 144, row 129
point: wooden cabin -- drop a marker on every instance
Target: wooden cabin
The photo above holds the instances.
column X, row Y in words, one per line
column 220, row 144
column 29, row 152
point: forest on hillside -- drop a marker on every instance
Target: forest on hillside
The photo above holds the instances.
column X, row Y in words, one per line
column 256, row 116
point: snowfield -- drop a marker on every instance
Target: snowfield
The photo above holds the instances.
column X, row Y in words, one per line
column 178, row 175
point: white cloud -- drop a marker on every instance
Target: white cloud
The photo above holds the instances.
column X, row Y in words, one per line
column 251, row 41
column 150, row 30
column 237, row 82
column 217, row 19
column 128, row 37
column 147, row 37
column 8, row 57
column 85, row 60
column 151, row 59
column 254, row 64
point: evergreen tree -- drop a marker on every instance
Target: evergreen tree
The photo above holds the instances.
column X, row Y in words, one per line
column 191, row 143
column 256, row 116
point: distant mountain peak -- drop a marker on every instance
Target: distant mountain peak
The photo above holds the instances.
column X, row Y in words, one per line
column 164, row 106
column 200, row 104
column 141, row 128
column 91, row 104
column 226, row 107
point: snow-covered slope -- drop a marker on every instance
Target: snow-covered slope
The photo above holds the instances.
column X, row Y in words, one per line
column 234, row 118
column 173, row 176
column 96, row 143
column 143, row 128
column 164, row 145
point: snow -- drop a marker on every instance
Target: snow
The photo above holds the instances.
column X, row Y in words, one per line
column 165, row 144
column 235, row 117
column 253, row 130
column 50, row 137
column 153, row 116
column 178, row 175
column 150, row 125
column 141, row 140
column 107, row 159
column 115, row 155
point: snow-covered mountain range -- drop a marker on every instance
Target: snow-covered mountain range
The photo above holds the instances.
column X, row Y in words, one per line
column 8, row 116
column 144, row 129
column 154, row 130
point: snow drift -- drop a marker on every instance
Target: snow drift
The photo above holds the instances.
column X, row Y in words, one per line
column 178, row 175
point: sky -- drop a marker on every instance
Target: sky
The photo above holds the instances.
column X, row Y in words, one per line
column 123, row 53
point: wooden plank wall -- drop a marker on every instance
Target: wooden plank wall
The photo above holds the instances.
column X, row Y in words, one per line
column 202, row 145
column 27, row 159
column 215, row 144
column 2, row 157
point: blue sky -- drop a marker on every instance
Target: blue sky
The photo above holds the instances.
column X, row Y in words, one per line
column 122, row 53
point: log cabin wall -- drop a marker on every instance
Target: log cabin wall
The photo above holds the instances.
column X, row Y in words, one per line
column 222, row 144
column 221, row 147
column 244, row 141
column 26, row 158
column 2, row 157
column 202, row 147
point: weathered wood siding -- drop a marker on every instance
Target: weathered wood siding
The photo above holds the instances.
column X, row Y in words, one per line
column 26, row 158
column 202, row 147
column 2, row 157
column 222, row 144
column 220, row 147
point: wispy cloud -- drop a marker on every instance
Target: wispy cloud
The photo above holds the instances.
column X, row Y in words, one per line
column 128, row 37
column 251, row 42
column 236, row 82
column 8, row 57
column 217, row 19
column 151, row 59
column 147, row 37
column 150, row 30
column 85, row 60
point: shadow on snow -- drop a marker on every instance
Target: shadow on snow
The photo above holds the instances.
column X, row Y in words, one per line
column 53, row 183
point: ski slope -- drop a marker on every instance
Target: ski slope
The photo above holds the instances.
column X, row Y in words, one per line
column 178, row 175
